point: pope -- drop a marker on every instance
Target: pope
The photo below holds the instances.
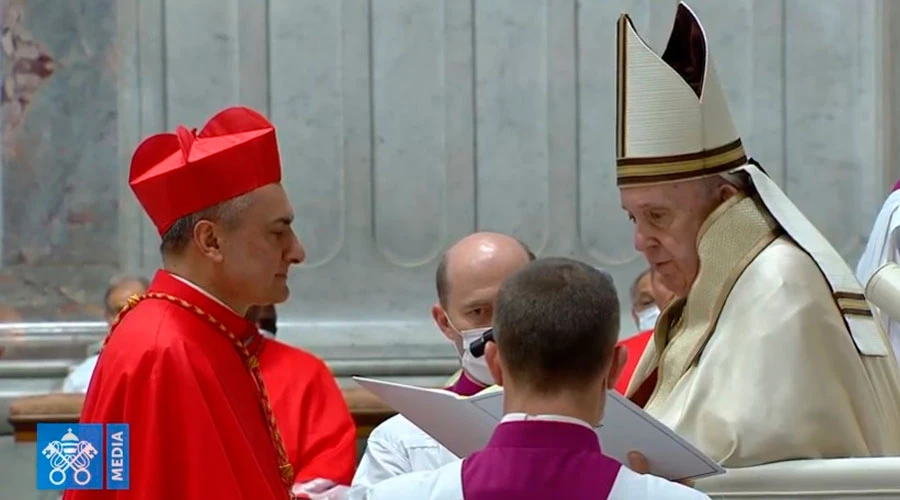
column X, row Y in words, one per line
column 770, row 352
column 180, row 365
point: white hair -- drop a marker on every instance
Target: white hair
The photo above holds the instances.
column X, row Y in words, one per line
column 739, row 180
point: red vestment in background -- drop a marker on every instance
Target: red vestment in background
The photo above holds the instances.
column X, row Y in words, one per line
column 635, row 346
column 318, row 431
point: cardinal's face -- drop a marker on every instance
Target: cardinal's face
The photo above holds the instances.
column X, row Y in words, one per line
column 257, row 254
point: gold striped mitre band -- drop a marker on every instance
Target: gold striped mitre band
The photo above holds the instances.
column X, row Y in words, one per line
column 854, row 304
column 656, row 169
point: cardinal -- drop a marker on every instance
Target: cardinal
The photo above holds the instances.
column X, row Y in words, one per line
column 181, row 364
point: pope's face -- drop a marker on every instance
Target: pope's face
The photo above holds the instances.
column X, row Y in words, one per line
column 667, row 219
column 258, row 252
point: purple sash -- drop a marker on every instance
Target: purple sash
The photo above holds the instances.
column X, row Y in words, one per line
column 465, row 386
column 539, row 460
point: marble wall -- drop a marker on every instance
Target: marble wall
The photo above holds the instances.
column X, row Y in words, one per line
column 406, row 124
column 60, row 157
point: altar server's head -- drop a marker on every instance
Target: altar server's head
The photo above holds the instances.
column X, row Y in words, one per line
column 556, row 323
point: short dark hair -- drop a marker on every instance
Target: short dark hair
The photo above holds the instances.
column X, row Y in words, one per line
column 556, row 323
column 176, row 238
column 117, row 282
column 442, row 281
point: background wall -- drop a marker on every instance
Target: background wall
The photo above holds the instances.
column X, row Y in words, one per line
column 405, row 124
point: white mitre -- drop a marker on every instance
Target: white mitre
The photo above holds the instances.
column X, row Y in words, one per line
column 673, row 124
column 672, row 118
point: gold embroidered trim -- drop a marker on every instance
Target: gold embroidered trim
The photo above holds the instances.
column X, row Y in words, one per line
column 729, row 240
column 854, row 304
column 649, row 170
column 621, row 83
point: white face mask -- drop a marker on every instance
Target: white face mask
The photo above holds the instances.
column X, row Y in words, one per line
column 477, row 368
column 647, row 318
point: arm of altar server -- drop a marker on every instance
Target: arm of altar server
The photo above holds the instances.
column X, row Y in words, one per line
column 630, row 485
column 327, row 448
column 383, row 458
column 780, row 378
column 320, row 489
column 444, row 483
column 882, row 248
column 882, row 245
column 395, row 447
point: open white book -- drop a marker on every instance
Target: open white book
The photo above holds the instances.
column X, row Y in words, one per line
column 465, row 424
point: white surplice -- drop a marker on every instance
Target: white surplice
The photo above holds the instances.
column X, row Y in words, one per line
column 883, row 248
column 80, row 377
column 396, row 447
column 445, row 483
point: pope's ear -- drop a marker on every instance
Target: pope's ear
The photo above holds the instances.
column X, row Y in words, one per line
column 726, row 191
column 205, row 236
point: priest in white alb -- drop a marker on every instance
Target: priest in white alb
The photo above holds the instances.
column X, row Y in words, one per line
column 770, row 352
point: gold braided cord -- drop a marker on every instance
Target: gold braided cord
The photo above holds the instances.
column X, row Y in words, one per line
column 251, row 362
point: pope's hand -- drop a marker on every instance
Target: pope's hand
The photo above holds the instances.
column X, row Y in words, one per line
column 638, row 463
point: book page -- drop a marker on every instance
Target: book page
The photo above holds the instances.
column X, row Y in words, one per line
column 442, row 414
column 464, row 425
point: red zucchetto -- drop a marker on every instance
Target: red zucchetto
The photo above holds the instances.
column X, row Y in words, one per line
column 174, row 175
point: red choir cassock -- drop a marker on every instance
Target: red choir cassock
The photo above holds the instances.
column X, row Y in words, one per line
column 635, row 347
column 318, row 431
column 180, row 367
